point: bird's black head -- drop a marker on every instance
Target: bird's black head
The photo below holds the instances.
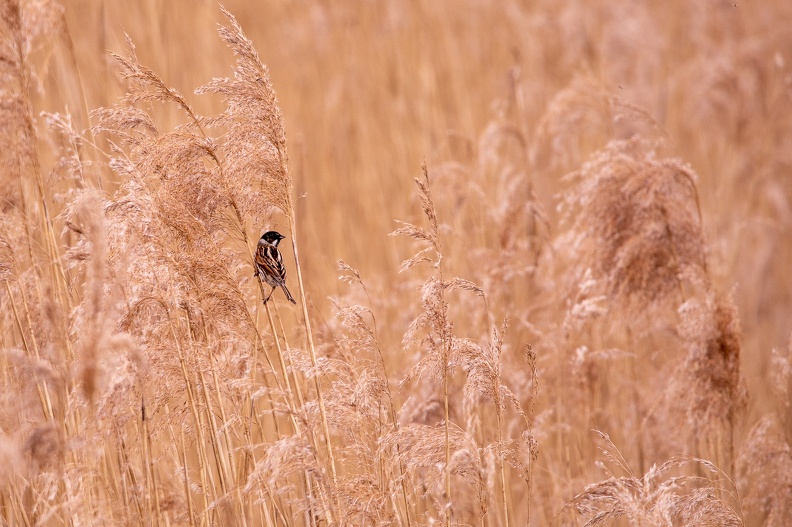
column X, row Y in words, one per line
column 273, row 237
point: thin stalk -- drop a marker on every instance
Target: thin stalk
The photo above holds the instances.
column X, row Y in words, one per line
column 229, row 449
column 283, row 159
column 207, row 481
column 254, row 415
column 220, row 461
column 128, row 500
column 445, row 341
column 447, row 442
column 41, row 388
column 19, row 504
column 311, row 347
column 267, row 516
column 282, row 362
column 187, row 493
column 286, row 361
column 503, row 471
column 147, row 466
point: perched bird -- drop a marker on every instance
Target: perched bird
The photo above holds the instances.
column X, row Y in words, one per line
column 269, row 263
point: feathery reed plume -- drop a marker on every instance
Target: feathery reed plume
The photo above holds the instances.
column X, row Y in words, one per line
column 638, row 244
column 184, row 231
column 656, row 499
column 443, row 352
column 424, row 447
column 764, row 474
column 256, row 162
column 484, row 380
column 84, row 215
column 573, row 125
column 634, row 251
column 109, row 360
column 713, row 388
column 764, row 461
column 636, row 224
column 497, row 228
column 438, row 344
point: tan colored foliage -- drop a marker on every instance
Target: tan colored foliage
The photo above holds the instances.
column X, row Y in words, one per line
column 589, row 325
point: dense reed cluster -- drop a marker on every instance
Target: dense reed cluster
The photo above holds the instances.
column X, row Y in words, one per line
column 589, row 324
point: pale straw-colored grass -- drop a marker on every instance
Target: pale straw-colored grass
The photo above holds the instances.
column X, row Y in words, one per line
column 590, row 324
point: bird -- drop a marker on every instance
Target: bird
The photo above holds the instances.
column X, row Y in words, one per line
column 269, row 263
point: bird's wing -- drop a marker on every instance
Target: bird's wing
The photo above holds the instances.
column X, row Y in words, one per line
column 270, row 260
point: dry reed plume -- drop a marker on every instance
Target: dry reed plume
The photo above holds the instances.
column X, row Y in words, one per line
column 595, row 256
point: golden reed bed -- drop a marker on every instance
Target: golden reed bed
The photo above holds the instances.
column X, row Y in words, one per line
column 582, row 317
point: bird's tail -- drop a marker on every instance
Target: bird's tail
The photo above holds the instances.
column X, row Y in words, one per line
column 288, row 295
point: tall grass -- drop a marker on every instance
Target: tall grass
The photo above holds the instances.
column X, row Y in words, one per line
column 589, row 324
